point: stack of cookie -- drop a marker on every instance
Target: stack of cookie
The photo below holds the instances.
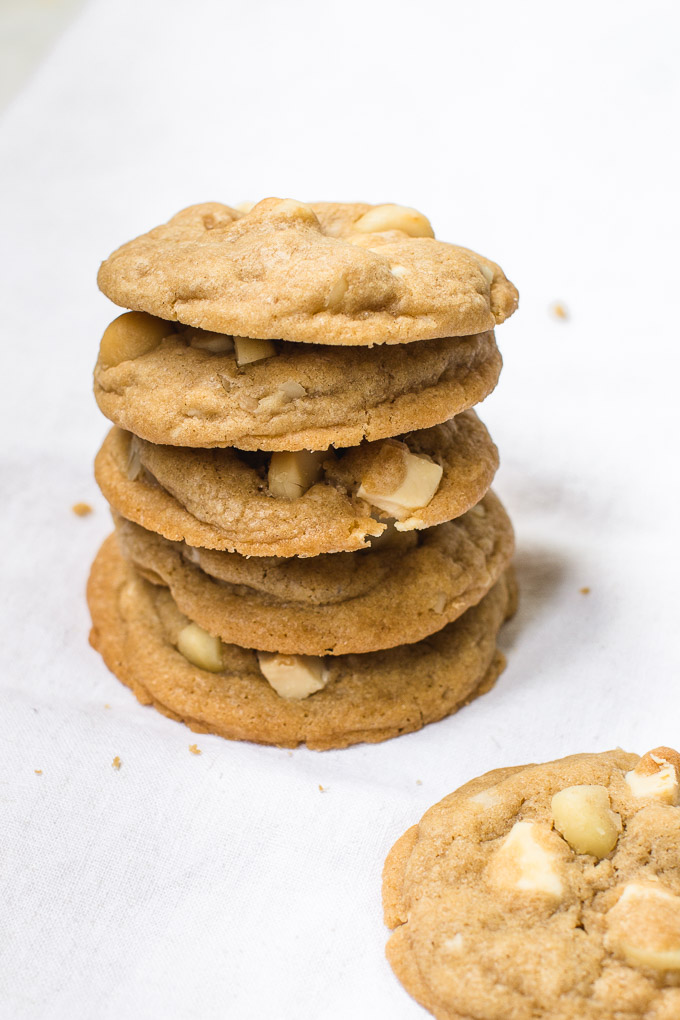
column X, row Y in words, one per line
column 306, row 547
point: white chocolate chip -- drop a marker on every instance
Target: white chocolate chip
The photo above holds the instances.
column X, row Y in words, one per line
column 644, row 926
column 293, row 676
column 439, row 603
column 249, row 350
column 244, row 207
column 524, row 864
column 399, row 270
column 419, row 479
column 656, row 776
column 200, row 648
column 292, row 473
column 394, row 217
column 130, row 336
column 455, row 944
column 216, row 343
column 582, row 814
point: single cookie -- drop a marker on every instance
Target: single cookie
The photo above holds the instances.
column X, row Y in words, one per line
column 336, row 603
column 372, row 697
column 328, row 273
column 545, row 891
column 220, row 499
column 162, row 383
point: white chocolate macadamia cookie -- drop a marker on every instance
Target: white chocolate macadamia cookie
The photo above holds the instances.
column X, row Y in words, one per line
column 545, row 891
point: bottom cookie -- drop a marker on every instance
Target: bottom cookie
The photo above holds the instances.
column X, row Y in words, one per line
column 545, row 891
column 368, row 697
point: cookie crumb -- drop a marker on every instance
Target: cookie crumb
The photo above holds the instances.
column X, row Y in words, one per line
column 81, row 509
column 38, row 772
column 322, row 789
column 559, row 311
column 116, row 762
column 419, row 782
column 585, row 590
column 195, row 749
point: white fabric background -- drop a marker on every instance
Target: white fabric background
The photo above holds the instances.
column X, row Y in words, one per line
column 544, row 135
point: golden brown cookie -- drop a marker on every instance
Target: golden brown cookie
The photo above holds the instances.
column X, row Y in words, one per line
column 155, row 382
column 324, row 273
column 548, row 891
column 335, row 603
column 219, row 499
column 366, row 698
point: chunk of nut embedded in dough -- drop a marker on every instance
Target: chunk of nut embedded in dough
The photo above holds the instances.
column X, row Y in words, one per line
column 525, row 863
column 249, row 350
column 285, row 393
column 292, row 473
column 583, row 815
column 486, row 799
column 394, row 217
column 201, row 648
column 291, row 209
column 336, row 294
column 656, row 775
column 134, row 461
column 399, row 481
column 293, row 677
column 487, row 272
column 215, row 343
column 643, row 926
column 130, row 336
column 291, row 390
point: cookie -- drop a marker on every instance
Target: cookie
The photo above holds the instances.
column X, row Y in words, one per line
column 336, row 603
column 219, row 499
column 545, row 891
column 326, row 273
column 153, row 380
column 366, row 697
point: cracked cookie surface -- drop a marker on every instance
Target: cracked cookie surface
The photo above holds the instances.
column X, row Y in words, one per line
column 219, row 499
column 303, row 397
column 544, row 891
column 311, row 273
column 370, row 697
column 336, row 603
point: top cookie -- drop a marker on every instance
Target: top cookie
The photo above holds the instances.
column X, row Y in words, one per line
column 550, row 891
column 326, row 273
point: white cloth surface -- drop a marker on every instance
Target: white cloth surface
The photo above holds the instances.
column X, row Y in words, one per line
column 543, row 135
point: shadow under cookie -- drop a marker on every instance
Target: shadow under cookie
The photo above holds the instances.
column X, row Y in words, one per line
column 369, row 697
